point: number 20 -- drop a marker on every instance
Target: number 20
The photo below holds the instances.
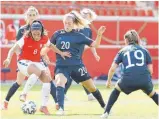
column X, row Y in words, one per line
column 137, row 57
column 65, row 45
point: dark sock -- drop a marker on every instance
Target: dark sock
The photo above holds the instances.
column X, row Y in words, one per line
column 12, row 90
column 60, row 96
column 98, row 96
column 112, row 99
column 67, row 85
column 155, row 98
column 53, row 91
column 87, row 92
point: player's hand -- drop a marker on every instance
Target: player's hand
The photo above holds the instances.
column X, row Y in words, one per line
column 108, row 84
column 65, row 54
column 97, row 57
column 6, row 62
column 101, row 30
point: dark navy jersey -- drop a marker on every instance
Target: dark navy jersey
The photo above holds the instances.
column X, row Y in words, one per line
column 134, row 59
column 72, row 42
column 21, row 31
column 88, row 33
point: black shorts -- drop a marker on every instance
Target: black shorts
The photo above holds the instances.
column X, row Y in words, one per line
column 129, row 84
column 78, row 72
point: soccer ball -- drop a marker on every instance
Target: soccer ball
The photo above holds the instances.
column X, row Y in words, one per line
column 29, row 107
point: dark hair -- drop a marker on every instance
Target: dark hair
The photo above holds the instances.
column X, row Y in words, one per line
column 132, row 37
column 43, row 31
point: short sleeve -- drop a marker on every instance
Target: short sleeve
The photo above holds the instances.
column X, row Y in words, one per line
column 118, row 58
column 90, row 34
column 20, row 42
column 54, row 37
column 85, row 40
column 19, row 34
column 148, row 58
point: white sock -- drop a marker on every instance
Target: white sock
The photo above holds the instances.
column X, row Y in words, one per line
column 30, row 83
column 45, row 93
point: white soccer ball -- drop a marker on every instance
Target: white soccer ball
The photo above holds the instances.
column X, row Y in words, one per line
column 29, row 107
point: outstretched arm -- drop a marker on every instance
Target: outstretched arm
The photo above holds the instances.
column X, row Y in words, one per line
column 10, row 54
column 93, row 50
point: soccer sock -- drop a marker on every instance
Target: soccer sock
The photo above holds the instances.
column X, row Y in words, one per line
column 53, row 91
column 60, row 96
column 45, row 93
column 112, row 99
column 87, row 92
column 98, row 96
column 30, row 83
column 12, row 90
column 155, row 98
column 67, row 85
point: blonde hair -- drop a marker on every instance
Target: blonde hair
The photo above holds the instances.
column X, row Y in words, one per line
column 78, row 20
column 93, row 15
column 30, row 9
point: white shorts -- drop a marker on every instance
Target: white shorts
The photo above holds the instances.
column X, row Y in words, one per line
column 24, row 64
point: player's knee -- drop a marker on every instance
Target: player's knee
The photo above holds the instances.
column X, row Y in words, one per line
column 152, row 93
column 118, row 88
column 44, row 77
column 91, row 88
column 60, row 80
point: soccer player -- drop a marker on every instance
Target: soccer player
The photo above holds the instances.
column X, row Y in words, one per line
column 137, row 71
column 73, row 41
column 29, row 62
column 89, row 15
column 30, row 15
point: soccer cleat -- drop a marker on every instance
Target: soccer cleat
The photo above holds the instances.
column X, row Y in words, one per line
column 57, row 106
column 105, row 115
column 44, row 110
column 60, row 112
column 4, row 105
column 22, row 97
column 91, row 97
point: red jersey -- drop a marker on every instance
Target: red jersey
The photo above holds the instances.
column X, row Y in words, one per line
column 31, row 49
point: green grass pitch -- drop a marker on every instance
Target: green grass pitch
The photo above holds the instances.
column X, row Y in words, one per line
column 134, row 106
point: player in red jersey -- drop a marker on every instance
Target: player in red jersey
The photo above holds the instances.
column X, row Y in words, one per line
column 29, row 61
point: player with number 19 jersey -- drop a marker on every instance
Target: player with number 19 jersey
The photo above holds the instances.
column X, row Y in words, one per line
column 135, row 60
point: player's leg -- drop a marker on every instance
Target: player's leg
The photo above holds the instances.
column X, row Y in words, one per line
column 89, row 85
column 29, row 84
column 148, row 89
column 90, row 96
column 36, row 68
column 60, row 85
column 13, row 89
column 53, row 89
column 67, row 86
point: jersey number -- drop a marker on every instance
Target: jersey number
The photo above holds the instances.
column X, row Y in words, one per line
column 35, row 51
column 82, row 70
column 65, row 45
column 136, row 55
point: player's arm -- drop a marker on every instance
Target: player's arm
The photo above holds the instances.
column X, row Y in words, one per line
column 111, row 73
column 93, row 50
column 96, row 43
column 10, row 54
column 149, row 62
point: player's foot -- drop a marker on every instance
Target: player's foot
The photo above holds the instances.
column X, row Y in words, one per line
column 4, row 105
column 44, row 110
column 91, row 97
column 60, row 112
column 66, row 98
column 57, row 106
column 105, row 115
column 22, row 97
